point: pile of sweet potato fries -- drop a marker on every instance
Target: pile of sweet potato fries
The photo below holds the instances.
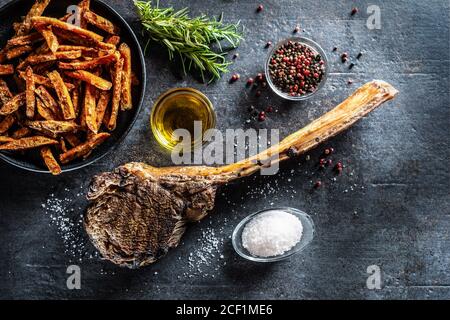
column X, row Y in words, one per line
column 71, row 83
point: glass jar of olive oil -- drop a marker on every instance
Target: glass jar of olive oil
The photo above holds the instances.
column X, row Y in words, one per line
column 178, row 109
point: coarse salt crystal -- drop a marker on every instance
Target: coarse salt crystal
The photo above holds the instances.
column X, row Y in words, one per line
column 272, row 233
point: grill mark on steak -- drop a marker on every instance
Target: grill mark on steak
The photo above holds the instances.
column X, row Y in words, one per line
column 135, row 220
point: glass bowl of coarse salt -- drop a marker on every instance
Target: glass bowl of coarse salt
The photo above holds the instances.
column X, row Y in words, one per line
column 273, row 234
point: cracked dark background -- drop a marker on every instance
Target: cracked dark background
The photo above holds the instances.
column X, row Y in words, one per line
column 390, row 207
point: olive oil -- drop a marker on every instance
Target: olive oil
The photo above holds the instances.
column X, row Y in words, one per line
column 179, row 109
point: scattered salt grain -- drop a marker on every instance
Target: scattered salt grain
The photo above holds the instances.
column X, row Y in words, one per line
column 68, row 222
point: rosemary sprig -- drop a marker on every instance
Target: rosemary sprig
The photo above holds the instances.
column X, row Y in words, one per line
column 189, row 38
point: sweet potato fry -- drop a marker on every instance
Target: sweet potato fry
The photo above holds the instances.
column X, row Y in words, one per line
column 89, row 108
column 13, row 105
column 41, row 80
column 49, row 36
column 68, row 55
column 90, row 64
column 102, row 105
column 45, row 112
column 36, row 59
column 53, row 127
column 90, row 78
column 100, row 22
column 29, row 39
column 106, row 117
column 7, row 123
column 79, row 40
column 5, row 94
column 47, row 21
column 85, row 51
column 29, row 93
column 125, row 53
column 83, row 6
column 36, row 10
column 4, row 139
column 72, row 139
column 113, row 39
column 62, row 145
column 76, row 100
column 15, row 52
column 44, row 67
column 47, row 99
column 28, row 143
column 117, row 93
column 21, row 133
column 84, row 148
column 63, row 95
column 6, row 69
column 50, row 161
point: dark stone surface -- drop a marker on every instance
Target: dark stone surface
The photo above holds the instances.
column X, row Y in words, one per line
column 390, row 207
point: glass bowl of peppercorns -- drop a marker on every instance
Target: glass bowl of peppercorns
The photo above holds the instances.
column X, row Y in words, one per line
column 296, row 68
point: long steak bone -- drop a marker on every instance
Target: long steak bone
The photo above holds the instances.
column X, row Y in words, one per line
column 139, row 212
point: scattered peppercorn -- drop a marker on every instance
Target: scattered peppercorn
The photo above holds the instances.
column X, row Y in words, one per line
column 338, row 167
column 344, row 57
column 268, row 44
column 354, row 11
column 250, row 82
column 259, row 8
column 327, row 151
column 259, row 77
column 296, row 69
column 234, row 78
column 350, row 81
column 262, row 116
column 258, row 93
column 335, row 49
column 331, row 150
column 235, row 56
column 264, row 84
column 351, row 65
column 318, row 184
column 297, row 29
column 359, row 55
